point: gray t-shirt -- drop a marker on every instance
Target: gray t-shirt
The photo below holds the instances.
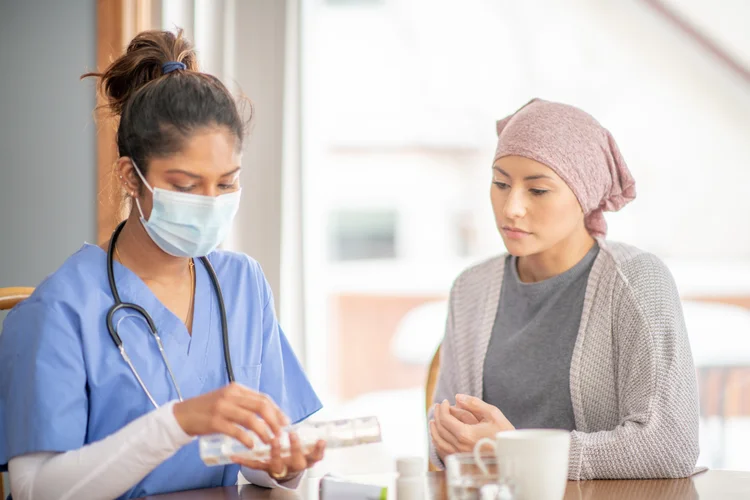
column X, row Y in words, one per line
column 527, row 366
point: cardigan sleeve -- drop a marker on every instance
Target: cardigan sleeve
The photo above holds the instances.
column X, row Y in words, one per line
column 657, row 394
column 447, row 386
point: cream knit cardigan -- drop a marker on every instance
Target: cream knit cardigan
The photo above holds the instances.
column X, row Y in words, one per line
column 632, row 379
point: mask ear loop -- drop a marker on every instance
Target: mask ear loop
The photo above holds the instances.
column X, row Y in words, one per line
column 138, row 204
column 138, row 171
column 145, row 182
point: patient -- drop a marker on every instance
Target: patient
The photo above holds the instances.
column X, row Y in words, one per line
column 568, row 330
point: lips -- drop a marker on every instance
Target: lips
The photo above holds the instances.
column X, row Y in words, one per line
column 514, row 233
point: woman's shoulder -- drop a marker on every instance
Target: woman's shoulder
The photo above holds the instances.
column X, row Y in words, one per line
column 58, row 301
column 480, row 275
column 227, row 261
column 633, row 263
column 81, row 273
column 239, row 272
column 645, row 279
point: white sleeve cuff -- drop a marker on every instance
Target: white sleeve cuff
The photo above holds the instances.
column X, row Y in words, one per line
column 177, row 436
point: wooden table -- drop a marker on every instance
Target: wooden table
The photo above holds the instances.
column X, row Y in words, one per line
column 720, row 485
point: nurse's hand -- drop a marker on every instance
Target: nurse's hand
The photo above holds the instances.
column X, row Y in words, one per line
column 228, row 410
column 286, row 468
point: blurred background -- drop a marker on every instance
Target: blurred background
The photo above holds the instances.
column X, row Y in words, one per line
column 366, row 181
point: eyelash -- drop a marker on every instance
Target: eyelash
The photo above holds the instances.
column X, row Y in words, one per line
column 185, row 189
column 535, row 192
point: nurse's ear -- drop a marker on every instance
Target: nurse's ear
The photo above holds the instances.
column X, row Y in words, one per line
column 127, row 176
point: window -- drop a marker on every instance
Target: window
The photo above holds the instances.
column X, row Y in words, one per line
column 402, row 117
column 362, row 235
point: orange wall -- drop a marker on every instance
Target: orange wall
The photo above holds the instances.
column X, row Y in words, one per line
column 363, row 328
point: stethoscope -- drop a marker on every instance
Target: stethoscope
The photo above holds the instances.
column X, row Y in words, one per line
column 119, row 304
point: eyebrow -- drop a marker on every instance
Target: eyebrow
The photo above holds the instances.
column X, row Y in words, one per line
column 528, row 178
column 196, row 176
column 232, row 172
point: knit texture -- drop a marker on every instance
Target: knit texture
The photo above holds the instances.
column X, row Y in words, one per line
column 632, row 378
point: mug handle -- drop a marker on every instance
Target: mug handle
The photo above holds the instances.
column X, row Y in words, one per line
column 478, row 456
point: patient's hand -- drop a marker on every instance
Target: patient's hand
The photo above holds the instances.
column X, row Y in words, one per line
column 457, row 428
column 463, row 415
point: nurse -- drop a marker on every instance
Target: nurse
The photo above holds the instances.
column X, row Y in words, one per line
column 81, row 419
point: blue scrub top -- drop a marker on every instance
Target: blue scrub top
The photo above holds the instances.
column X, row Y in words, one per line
column 63, row 383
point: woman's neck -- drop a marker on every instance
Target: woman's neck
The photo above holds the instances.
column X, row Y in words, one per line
column 556, row 260
column 138, row 252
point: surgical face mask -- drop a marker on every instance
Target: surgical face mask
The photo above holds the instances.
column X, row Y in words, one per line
column 188, row 225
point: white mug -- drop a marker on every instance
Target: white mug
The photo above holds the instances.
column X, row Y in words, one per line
column 536, row 461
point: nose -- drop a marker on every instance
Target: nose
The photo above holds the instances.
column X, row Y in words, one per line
column 515, row 205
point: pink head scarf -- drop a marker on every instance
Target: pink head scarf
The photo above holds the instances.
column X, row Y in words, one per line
column 573, row 144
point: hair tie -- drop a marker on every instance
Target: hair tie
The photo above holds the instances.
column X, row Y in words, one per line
column 170, row 66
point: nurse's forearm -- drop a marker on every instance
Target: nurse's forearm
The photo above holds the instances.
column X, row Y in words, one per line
column 102, row 470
